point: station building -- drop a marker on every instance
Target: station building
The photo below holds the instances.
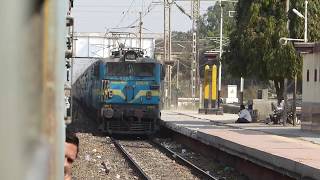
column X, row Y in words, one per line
column 310, row 85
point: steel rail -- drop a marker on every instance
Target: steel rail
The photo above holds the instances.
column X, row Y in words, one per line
column 130, row 159
column 185, row 162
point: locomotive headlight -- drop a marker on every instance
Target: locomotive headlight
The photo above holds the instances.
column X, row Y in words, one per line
column 149, row 95
column 107, row 112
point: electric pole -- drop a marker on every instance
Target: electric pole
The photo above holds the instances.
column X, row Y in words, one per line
column 285, row 106
column 177, row 83
column 195, row 75
column 220, row 53
column 177, row 78
column 194, row 64
column 167, row 47
column 140, row 30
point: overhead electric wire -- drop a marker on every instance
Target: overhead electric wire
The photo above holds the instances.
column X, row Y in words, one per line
column 126, row 12
column 182, row 10
column 130, row 27
column 101, row 6
column 149, row 9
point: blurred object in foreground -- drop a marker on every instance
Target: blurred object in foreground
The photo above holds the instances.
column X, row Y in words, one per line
column 31, row 95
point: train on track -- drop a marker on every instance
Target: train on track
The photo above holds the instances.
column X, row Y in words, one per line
column 123, row 91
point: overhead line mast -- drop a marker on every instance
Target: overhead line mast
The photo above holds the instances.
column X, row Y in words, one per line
column 167, row 50
column 195, row 75
column 168, row 42
column 140, row 30
column 195, row 63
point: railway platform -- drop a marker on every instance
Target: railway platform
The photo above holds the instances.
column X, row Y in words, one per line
column 287, row 150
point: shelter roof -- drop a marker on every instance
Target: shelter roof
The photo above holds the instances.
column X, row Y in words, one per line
column 306, row 48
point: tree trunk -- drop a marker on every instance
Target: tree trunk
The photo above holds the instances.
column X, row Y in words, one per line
column 279, row 85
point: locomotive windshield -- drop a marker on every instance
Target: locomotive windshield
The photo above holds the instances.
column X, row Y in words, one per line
column 145, row 69
column 130, row 69
column 117, row 69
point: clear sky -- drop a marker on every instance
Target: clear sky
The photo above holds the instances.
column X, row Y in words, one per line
column 99, row 15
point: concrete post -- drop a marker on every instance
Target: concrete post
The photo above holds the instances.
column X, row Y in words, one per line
column 220, row 53
column 284, row 118
column 241, row 90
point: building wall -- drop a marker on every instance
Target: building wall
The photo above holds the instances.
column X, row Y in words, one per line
column 311, row 92
column 101, row 45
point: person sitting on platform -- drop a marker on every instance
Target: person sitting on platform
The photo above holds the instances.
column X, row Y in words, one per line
column 244, row 115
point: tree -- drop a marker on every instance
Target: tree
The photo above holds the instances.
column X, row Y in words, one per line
column 254, row 49
column 297, row 24
column 210, row 22
column 181, row 42
column 209, row 30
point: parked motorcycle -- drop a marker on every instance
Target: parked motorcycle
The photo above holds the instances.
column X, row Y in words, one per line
column 277, row 114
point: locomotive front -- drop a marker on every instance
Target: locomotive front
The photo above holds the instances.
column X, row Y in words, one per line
column 131, row 95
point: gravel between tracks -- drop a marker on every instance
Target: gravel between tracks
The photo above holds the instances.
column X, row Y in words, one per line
column 97, row 158
column 207, row 164
column 156, row 164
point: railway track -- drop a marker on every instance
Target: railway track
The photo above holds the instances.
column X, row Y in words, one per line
column 152, row 160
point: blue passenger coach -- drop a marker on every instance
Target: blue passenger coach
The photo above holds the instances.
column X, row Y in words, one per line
column 124, row 91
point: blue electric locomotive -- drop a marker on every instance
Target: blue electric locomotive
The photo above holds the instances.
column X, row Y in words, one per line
column 124, row 91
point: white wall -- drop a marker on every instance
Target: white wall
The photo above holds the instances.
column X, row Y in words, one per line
column 311, row 89
column 96, row 45
column 92, row 45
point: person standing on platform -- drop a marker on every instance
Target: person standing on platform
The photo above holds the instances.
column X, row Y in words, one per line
column 244, row 115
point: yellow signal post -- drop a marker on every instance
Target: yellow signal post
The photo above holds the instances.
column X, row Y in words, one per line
column 206, row 86
column 214, row 86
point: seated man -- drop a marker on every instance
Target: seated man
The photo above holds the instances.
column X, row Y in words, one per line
column 244, row 115
column 70, row 153
column 280, row 106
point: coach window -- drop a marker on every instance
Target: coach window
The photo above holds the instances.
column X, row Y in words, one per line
column 308, row 75
column 315, row 75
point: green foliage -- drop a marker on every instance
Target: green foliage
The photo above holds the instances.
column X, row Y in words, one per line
column 181, row 36
column 254, row 49
column 297, row 23
column 209, row 29
column 210, row 22
column 183, row 39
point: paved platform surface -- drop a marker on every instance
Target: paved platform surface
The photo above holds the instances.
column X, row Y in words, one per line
column 229, row 119
column 274, row 146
